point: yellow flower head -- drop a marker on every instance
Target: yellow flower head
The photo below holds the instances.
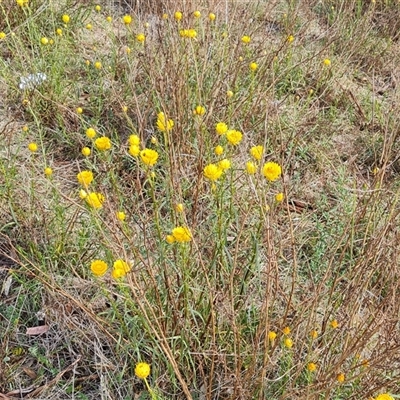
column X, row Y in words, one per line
column 199, row 110
column 120, row 215
column 86, row 151
column 164, row 124
column 221, row 128
column 108, row 18
column 48, row 171
column 290, row 39
column 134, row 140
column 134, row 150
column 224, row 164
column 384, row 396
column 140, row 37
column 251, row 168
column 197, row 14
column 97, row 7
column 272, row 171
column 234, row 137
column 288, row 343
column 90, row 133
column 271, row 335
column 98, row 65
column 127, row 19
column 219, row 150
column 246, row 39
column 286, row 330
column 181, row 234
column 212, row 172
column 2, row 35
column 98, row 267
column 211, row 16
column 253, row 66
column 229, row 93
column 170, row 239
column 65, row 18
column 314, row 334
column 334, row 323
column 44, row 41
column 327, row 62
column 121, row 265
column 89, row 27
column 279, row 197
column 142, row 370
column 179, row 208
column 22, row 3
column 103, row 143
column 59, row 31
column 257, row 152
column 94, row 200
column 32, row 147
column 165, row 16
column 312, row 367
column 341, row 378
column 85, row 178
column 149, row 156
column 178, row 15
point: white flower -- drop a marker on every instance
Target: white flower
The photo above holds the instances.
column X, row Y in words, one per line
column 32, row 80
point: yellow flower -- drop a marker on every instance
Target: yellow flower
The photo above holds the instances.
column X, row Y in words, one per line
column 142, row 370
column 134, row 150
column 341, row 378
column 199, row 110
column 86, row 151
column 229, row 93
column 290, row 39
column 197, row 14
column 286, row 330
column 153, row 140
column 384, row 396
column 102, row 143
column 120, row 215
column 98, row 267
column 98, row 65
column 224, row 164
column 221, row 128
column 288, row 343
column 165, row 16
column 94, row 200
column 140, row 37
column 211, row 17
column 59, row 31
column 126, row 19
column 246, row 39
column 164, row 124
column 279, row 197
column 32, row 147
column 2, row 35
column 149, row 156
column 44, row 40
column 253, row 66
column 272, row 171
column 234, row 137
column 327, row 62
column 179, row 208
column 251, row 168
column 85, row 178
column 22, row 3
column 212, row 172
column 312, row 367
column 314, row 334
column 134, row 140
column 181, row 234
column 65, row 18
column 170, row 239
column 271, row 335
column 219, row 150
column 79, row 110
column 334, row 324
column 89, row 27
column 108, row 19
column 257, row 152
column 90, row 133
column 178, row 15
column 121, row 265
column 25, row 128
column 48, row 171
column 97, row 8
column 117, row 273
